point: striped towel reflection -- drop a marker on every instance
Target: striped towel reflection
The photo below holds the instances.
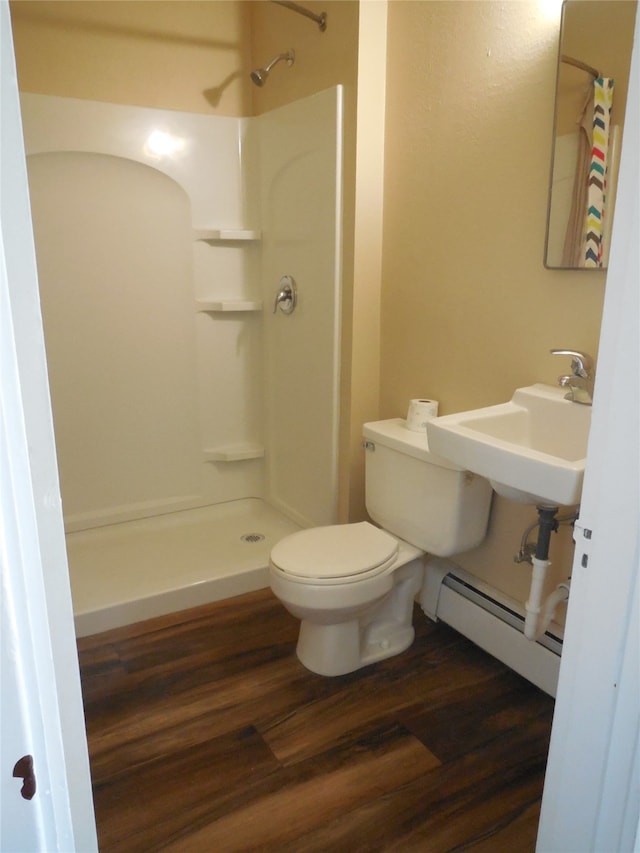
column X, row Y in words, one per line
column 603, row 100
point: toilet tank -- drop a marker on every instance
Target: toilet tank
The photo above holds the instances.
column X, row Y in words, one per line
column 420, row 497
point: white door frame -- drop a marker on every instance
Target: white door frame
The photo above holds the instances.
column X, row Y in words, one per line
column 591, row 792
column 42, row 715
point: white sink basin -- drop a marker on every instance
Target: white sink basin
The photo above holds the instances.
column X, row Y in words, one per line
column 532, row 449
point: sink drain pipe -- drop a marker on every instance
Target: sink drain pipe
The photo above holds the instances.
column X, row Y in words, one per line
column 535, row 625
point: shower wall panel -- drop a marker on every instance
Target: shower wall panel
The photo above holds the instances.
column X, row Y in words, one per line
column 146, row 385
column 114, row 267
column 161, row 238
column 300, row 163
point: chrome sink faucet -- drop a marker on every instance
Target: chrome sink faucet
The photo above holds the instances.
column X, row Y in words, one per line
column 580, row 380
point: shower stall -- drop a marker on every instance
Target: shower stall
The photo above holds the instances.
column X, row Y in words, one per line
column 196, row 421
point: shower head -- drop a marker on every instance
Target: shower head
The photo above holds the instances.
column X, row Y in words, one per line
column 259, row 76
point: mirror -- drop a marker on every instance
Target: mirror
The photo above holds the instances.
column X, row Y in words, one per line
column 596, row 39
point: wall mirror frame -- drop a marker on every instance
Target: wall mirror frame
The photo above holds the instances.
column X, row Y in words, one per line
column 596, row 39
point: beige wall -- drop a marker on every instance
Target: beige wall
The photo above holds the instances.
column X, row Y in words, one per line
column 469, row 312
column 188, row 55
column 364, row 352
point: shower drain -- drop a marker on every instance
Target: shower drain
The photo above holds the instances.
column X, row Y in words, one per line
column 252, row 537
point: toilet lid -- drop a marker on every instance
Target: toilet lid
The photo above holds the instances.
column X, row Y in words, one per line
column 338, row 551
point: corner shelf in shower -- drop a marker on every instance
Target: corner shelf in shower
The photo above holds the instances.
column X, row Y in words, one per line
column 227, row 305
column 220, row 235
column 233, row 453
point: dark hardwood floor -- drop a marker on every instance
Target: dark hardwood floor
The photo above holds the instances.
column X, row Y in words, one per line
column 207, row 734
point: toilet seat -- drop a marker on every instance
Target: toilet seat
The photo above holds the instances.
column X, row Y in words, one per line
column 340, row 553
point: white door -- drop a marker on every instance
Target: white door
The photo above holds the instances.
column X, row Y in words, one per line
column 592, row 789
column 42, row 722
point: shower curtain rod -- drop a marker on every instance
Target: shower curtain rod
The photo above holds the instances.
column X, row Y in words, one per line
column 321, row 19
column 577, row 63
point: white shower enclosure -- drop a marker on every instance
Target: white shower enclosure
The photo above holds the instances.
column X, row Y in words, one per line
column 195, row 425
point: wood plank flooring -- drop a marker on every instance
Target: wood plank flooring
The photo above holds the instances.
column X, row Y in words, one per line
column 207, row 734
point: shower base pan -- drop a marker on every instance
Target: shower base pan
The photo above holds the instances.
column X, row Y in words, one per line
column 128, row 572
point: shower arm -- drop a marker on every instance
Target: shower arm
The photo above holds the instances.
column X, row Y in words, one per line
column 321, row 19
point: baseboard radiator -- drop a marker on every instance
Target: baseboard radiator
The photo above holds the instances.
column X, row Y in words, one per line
column 449, row 595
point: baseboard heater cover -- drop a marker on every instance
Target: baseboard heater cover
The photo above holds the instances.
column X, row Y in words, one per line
column 548, row 640
column 494, row 627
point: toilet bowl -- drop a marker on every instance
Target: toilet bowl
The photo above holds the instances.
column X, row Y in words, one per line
column 353, row 586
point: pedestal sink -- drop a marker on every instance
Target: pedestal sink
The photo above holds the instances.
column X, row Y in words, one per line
column 532, row 449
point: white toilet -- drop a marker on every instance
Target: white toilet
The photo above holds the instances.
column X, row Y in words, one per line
column 353, row 585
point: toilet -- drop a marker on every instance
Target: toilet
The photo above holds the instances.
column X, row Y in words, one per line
column 353, row 585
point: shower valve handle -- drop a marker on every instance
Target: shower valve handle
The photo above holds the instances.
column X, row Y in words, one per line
column 287, row 298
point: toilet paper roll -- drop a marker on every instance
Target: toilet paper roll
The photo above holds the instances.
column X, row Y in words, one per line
column 421, row 411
